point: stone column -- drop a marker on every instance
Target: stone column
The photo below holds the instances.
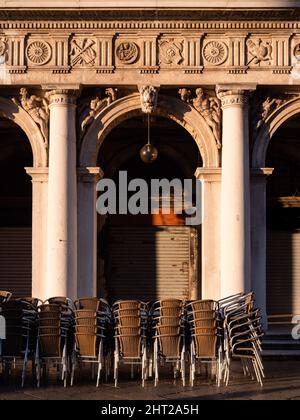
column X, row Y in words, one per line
column 211, row 200
column 87, row 230
column 62, row 196
column 39, row 177
column 259, row 239
column 235, row 195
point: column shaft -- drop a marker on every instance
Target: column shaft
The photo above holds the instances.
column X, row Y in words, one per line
column 235, row 196
column 39, row 178
column 258, row 239
column 87, row 231
column 62, row 197
column 211, row 198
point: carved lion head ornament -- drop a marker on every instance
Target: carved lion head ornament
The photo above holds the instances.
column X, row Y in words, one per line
column 149, row 98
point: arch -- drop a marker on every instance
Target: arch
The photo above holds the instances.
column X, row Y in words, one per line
column 272, row 124
column 15, row 113
column 165, row 150
column 168, row 107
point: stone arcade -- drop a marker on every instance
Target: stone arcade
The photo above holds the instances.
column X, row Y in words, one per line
column 223, row 87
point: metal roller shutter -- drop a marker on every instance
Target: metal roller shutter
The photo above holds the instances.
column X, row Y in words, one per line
column 15, row 261
column 283, row 272
column 149, row 263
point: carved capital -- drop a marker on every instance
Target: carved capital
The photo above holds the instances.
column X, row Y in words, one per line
column 231, row 98
column 62, row 97
column 234, row 96
column 209, row 174
column 38, row 175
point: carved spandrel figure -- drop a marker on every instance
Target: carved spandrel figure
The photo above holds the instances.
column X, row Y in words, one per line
column 185, row 95
column 38, row 109
column 149, row 98
column 95, row 106
column 268, row 106
column 210, row 110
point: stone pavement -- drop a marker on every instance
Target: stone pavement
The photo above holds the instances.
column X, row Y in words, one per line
column 282, row 383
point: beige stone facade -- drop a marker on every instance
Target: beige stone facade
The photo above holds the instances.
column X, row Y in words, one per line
column 71, row 74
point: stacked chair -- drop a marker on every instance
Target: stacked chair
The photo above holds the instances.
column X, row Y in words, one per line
column 20, row 317
column 205, row 337
column 4, row 296
column 93, row 323
column 242, row 335
column 131, row 326
column 168, row 326
column 54, row 337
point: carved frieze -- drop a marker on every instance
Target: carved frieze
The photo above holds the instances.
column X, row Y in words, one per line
column 170, row 52
column 259, row 52
column 297, row 52
column 128, row 52
column 38, row 52
column 215, row 53
column 150, row 52
column 3, row 50
column 83, row 52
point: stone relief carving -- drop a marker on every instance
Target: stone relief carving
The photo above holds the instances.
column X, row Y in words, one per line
column 263, row 106
column 83, row 52
column 38, row 108
column 215, row 52
column 185, row 95
column 260, row 51
column 209, row 108
column 128, row 52
column 88, row 111
column 170, row 52
column 149, row 98
column 38, row 53
column 297, row 52
column 3, row 50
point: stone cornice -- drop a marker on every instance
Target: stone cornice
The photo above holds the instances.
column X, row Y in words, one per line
column 154, row 19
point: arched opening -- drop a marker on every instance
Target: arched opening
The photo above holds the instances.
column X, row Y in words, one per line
column 149, row 256
column 15, row 210
column 283, row 221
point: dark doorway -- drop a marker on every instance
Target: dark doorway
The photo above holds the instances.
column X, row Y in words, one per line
column 148, row 256
column 15, row 210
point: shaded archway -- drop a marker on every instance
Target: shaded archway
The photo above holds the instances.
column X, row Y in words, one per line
column 283, row 221
column 15, row 210
column 144, row 256
column 168, row 107
column 10, row 110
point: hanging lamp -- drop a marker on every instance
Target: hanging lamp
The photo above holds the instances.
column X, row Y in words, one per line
column 149, row 153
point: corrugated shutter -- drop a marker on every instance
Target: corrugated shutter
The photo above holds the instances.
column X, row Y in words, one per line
column 15, row 261
column 149, row 263
column 283, row 272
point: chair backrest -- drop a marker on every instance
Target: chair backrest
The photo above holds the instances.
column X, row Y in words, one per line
column 88, row 303
column 206, row 344
column 204, row 305
column 127, row 304
column 169, row 320
column 130, row 345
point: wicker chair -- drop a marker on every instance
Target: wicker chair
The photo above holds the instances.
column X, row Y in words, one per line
column 169, row 344
column 206, row 338
column 53, row 339
column 131, row 324
column 91, row 337
column 20, row 320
